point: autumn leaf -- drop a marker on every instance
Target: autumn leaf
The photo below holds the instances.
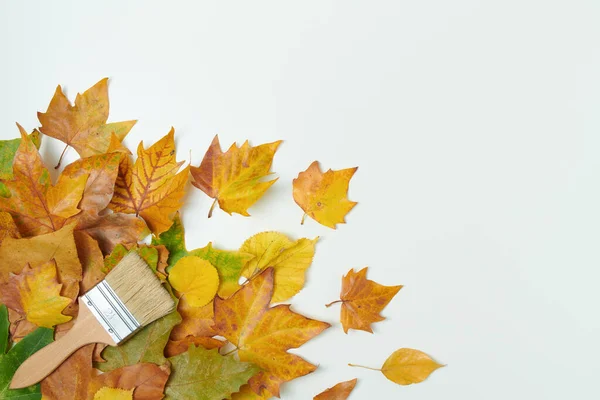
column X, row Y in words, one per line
column 341, row 391
column 83, row 126
column 196, row 279
column 246, row 393
column 220, row 375
column 146, row 346
column 151, row 188
column 92, row 261
column 263, row 335
column 406, row 366
column 362, row 300
column 71, row 379
column 323, row 196
column 8, row 227
column 146, row 380
column 9, row 362
column 36, row 293
column 229, row 264
column 8, row 148
column 107, row 393
column 289, row 259
column 234, row 178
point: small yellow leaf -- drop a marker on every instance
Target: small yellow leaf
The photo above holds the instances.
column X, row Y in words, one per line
column 107, row 393
column 408, row 366
column 196, row 279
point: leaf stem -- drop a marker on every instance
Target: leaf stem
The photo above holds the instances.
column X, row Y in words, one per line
column 362, row 366
column 211, row 208
column 303, row 216
column 230, row 352
column 61, row 156
column 332, row 303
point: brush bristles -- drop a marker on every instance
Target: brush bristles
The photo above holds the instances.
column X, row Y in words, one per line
column 140, row 290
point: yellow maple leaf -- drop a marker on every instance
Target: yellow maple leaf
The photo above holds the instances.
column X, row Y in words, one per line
column 323, row 196
column 151, row 188
column 233, row 178
column 83, row 126
column 107, row 393
column 196, row 279
column 263, row 335
column 362, row 300
column 289, row 259
column 36, row 293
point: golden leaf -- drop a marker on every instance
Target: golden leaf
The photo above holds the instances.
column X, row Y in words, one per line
column 341, row 391
column 196, row 279
column 323, row 196
column 146, row 381
column 263, row 335
column 234, row 178
column 289, row 259
column 107, row 393
column 151, row 188
column 362, row 300
column 83, row 126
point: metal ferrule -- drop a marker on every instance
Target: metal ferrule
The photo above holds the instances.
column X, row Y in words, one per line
column 111, row 312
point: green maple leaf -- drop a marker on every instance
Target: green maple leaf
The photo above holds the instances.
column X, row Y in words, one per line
column 9, row 362
column 206, row 375
column 229, row 264
column 145, row 346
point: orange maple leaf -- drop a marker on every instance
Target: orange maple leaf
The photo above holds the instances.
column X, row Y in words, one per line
column 341, row 391
column 323, row 196
column 83, row 126
column 151, row 188
column 362, row 300
column 263, row 335
column 234, row 178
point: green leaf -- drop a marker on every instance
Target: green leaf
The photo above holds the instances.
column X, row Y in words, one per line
column 149, row 254
column 145, row 346
column 8, row 148
column 14, row 358
column 4, row 324
column 229, row 264
column 206, row 375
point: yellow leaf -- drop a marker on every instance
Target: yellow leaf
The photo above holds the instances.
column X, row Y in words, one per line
column 234, row 178
column 196, row 279
column 151, row 188
column 323, row 196
column 64, row 198
column 107, row 393
column 289, row 259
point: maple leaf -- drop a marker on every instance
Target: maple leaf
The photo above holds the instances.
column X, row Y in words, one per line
column 229, row 264
column 146, row 380
column 289, row 259
column 406, row 366
column 341, row 391
column 323, row 196
column 9, row 362
column 146, row 346
column 220, row 375
column 71, row 379
column 196, row 327
column 246, row 393
column 263, row 335
column 92, row 261
column 83, row 126
column 362, row 300
column 7, row 227
column 151, row 188
column 36, row 293
column 108, row 393
column 196, row 279
column 233, row 178
column 8, row 148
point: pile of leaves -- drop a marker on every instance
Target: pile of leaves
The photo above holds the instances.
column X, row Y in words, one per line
column 229, row 337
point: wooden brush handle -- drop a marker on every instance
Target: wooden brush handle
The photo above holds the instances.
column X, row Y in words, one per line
column 86, row 330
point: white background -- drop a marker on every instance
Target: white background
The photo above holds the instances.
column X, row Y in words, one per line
column 475, row 126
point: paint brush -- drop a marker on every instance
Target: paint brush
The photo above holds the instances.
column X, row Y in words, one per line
column 129, row 298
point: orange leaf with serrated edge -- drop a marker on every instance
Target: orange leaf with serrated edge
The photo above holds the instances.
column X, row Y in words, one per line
column 263, row 335
column 147, row 380
column 35, row 292
column 234, row 178
column 151, row 188
column 246, row 393
column 324, row 196
column 362, row 300
column 341, row 391
column 83, row 126
column 71, row 379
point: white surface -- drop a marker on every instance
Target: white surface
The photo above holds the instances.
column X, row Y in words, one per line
column 476, row 129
